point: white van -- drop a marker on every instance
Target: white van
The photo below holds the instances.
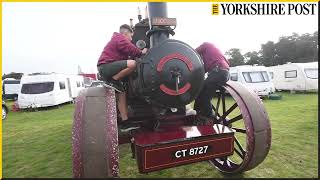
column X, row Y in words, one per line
column 256, row 78
column 45, row 90
column 295, row 76
column 10, row 88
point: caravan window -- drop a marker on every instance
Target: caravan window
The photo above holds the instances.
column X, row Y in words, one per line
column 62, row 85
column 256, row 77
column 234, row 76
column 246, row 76
column 290, row 74
column 265, row 76
column 311, row 73
column 37, row 88
column 11, row 82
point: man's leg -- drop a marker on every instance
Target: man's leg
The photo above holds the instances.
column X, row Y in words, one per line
column 198, row 101
column 112, row 73
column 214, row 81
column 124, row 124
column 131, row 65
column 122, row 106
column 122, row 99
column 115, row 71
column 203, row 101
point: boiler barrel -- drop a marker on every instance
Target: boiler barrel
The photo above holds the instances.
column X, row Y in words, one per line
column 171, row 74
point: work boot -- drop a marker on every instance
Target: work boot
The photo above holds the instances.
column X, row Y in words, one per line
column 206, row 119
column 126, row 126
column 114, row 84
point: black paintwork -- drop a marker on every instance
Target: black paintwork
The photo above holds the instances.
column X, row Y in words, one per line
column 144, row 95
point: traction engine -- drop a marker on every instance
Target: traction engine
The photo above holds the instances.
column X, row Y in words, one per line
column 166, row 79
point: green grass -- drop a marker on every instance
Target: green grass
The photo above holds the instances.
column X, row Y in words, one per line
column 38, row 144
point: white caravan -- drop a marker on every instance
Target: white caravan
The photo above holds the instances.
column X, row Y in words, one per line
column 10, row 88
column 295, row 76
column 255, row 78
column 45, row 90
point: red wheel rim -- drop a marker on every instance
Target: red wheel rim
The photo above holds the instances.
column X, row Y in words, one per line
column 252, row 150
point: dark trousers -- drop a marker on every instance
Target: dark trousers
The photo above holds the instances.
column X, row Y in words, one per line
column 107, row 70
column 216, row 78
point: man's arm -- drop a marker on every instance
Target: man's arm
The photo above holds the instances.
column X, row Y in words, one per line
column 126, row 47
column 199, row 49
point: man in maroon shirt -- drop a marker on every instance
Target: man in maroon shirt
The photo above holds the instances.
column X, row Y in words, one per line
column 114, row 64
column 217, row 67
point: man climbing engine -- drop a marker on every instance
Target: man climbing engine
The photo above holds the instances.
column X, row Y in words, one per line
column 114, row 65
column 217, row 67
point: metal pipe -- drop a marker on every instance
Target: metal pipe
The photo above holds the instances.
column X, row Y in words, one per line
column 157, row 9
column 139, row 14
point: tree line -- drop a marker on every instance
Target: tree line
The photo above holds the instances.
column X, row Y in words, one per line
column 295, row 48
column 19, row 75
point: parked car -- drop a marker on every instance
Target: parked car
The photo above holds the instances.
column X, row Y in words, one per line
column 96, row 84
column 5, row 110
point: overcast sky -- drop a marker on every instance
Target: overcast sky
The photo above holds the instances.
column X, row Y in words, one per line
column 57, row 37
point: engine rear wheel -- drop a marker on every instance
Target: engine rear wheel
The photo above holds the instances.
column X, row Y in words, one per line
column 95, row 134
column 245, row 114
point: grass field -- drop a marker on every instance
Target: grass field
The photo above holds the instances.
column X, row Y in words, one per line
column 38, row 144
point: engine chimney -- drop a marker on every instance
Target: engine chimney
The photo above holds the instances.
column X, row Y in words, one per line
column 157, row 9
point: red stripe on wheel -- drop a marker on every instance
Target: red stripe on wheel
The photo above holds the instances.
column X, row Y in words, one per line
column 178, row 56
column 171, row 92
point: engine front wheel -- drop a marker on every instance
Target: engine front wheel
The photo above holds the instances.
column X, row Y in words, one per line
column 95, row 134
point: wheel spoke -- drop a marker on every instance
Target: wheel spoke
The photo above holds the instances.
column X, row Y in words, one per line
column 218, row 104
column 215, row 110
column 224, row 161
column 237, row 151
column 237, row 118
column 225, row 114
column 239, row 130
column 223, row 127
column 239, row 145
column 223, row 102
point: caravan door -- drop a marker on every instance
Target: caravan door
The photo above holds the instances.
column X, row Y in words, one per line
column 69, row 88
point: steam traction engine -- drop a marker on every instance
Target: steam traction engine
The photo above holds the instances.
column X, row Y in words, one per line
column 167, row 78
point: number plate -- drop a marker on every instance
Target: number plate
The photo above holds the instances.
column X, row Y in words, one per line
column 162, row 21
column 194, row 151
column 157, row 157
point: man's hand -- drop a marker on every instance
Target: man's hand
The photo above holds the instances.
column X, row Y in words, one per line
column 144, row 51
